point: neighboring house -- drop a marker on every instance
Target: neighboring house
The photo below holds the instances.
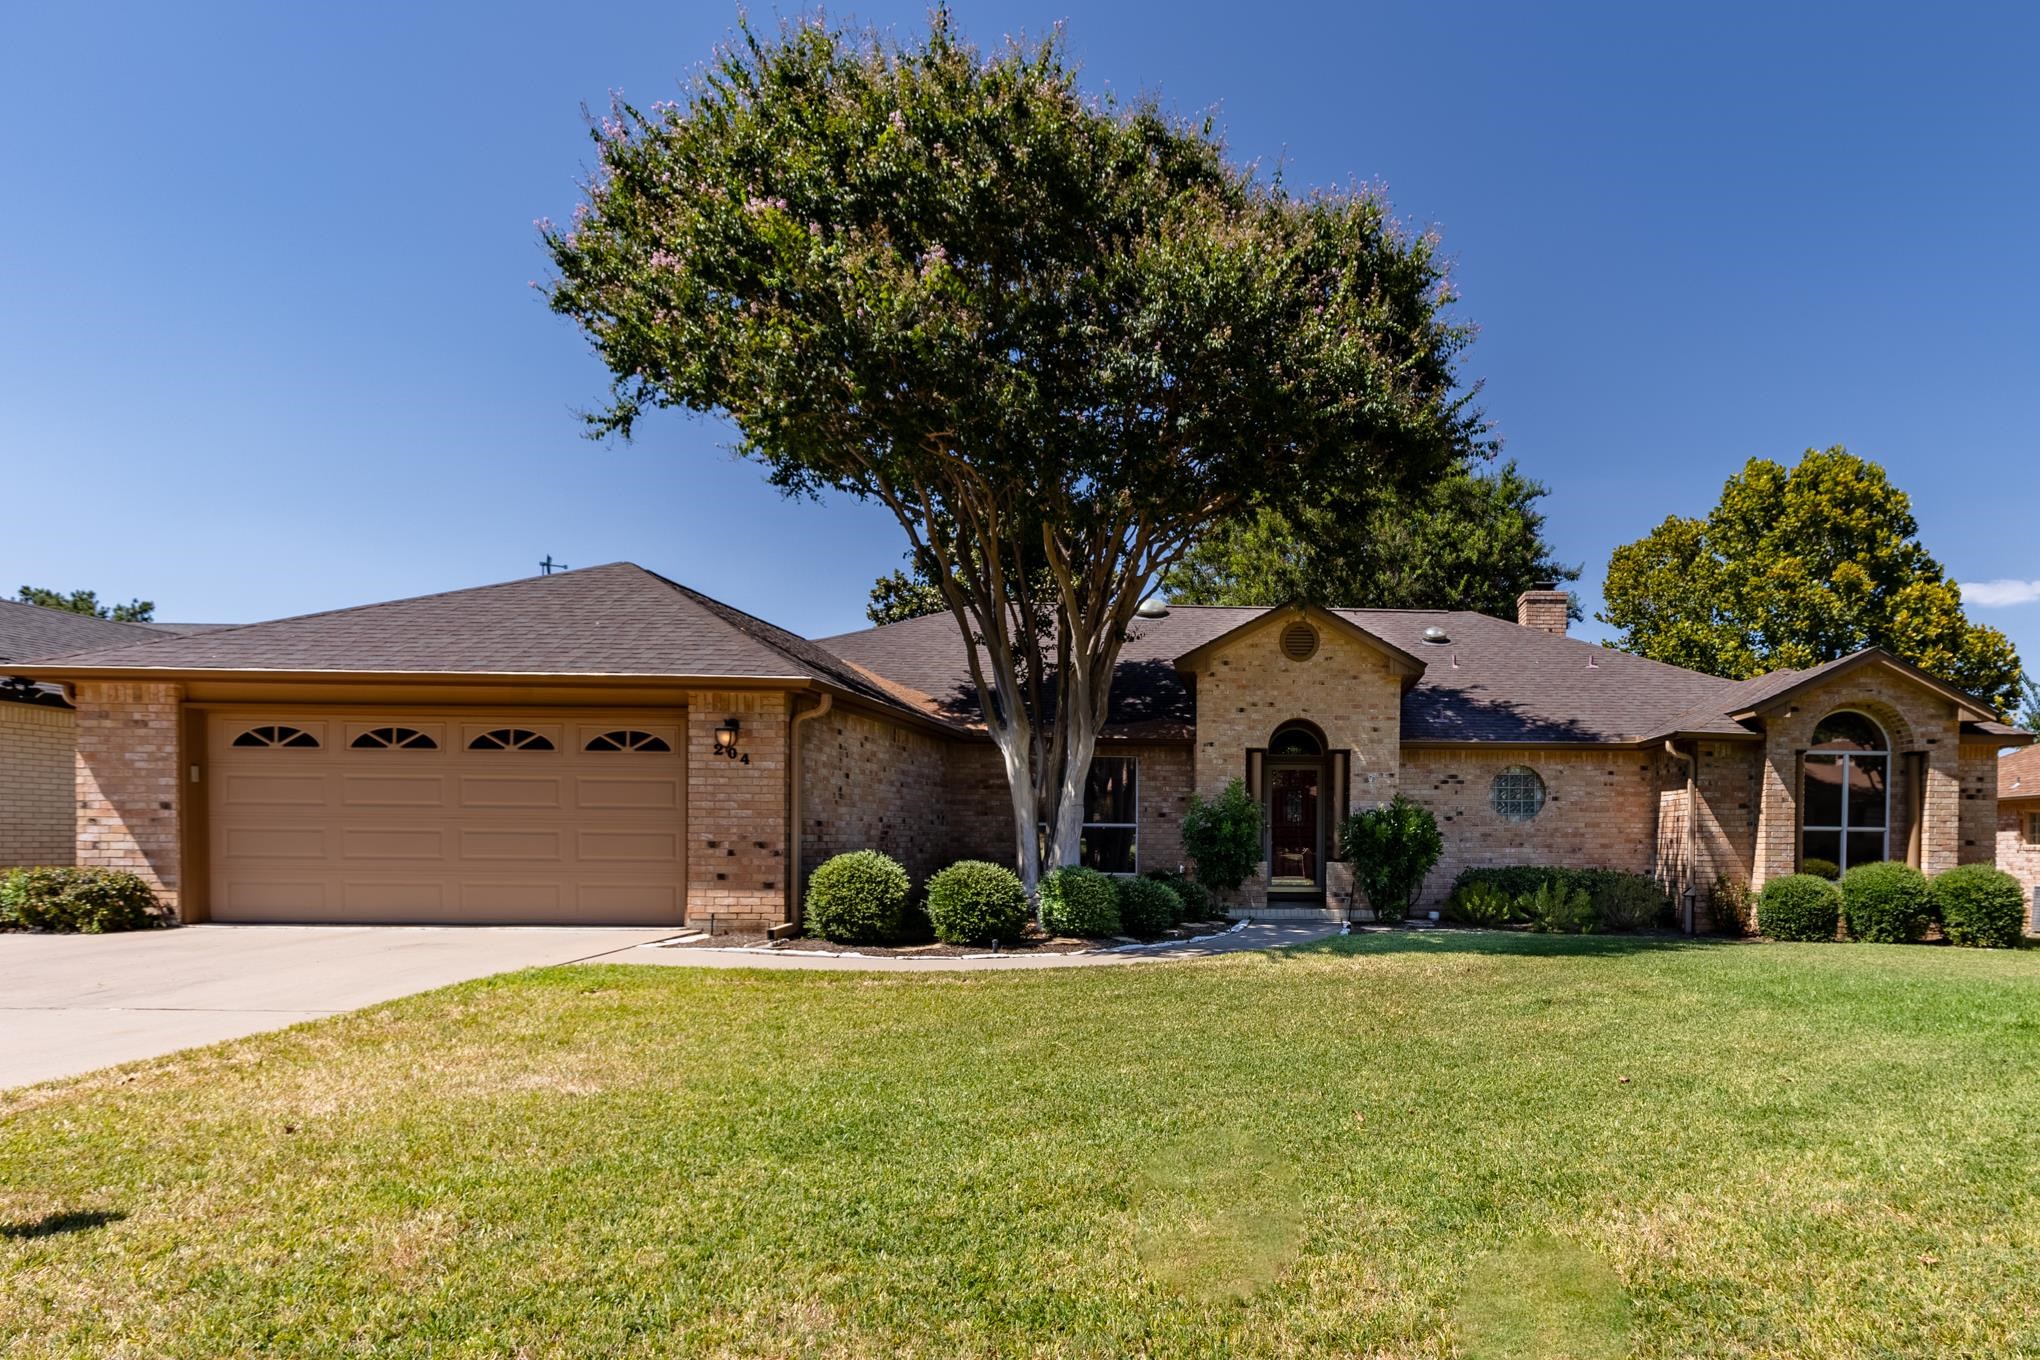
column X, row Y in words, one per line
column 606, row 745
column 2018, row 826
column 38, row 810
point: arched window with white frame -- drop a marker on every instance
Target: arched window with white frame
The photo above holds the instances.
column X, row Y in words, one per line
column 1845, row 796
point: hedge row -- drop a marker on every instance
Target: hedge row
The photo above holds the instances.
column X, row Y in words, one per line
column 861, row 898
column 86, row 901
column 1548, row 898
column 1976, row 905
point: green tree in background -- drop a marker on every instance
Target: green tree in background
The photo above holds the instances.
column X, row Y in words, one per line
column 1796, row 566
column 1471, row 540
column 1037, row 326
column 87, row 602
column 2029, row 699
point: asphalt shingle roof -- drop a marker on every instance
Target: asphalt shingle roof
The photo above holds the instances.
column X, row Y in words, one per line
column 1493, row 681
column 611, row 620
column 29, row 632
column 2019, row 774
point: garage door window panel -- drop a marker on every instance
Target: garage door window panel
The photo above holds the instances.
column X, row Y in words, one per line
column 511, row 739
column 394, row 739
column 632, row 740
column 276, row 736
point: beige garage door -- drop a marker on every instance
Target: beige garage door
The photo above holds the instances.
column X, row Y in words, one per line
column 470, row 817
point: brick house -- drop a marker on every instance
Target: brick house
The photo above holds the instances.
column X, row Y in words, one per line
column 37, row 812
column 608, row 745
column 2018, row 825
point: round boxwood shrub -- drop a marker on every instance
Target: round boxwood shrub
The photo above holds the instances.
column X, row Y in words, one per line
column 1821, row 868
column 1799, row 907
column 1194, row 897
column 975, row 902
column 1981, row 907
column 856, row 898
column 1147, row 908
column 88, row 901
column 1077, row 901
column 1886, row 903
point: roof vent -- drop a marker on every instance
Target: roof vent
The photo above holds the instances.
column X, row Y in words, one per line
column 1152, row 608
column 1299, row 641
column 1436, row 635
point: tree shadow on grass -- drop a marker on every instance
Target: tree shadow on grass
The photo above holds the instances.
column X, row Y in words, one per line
column 1524, row 943
column 58, row 1223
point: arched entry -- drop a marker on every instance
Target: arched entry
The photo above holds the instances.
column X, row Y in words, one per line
column 1294, row 811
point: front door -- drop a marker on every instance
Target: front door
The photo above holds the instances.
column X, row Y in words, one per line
column 1296, row 829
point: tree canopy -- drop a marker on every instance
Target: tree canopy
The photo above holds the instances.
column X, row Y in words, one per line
column 1796, row 566
column 87, row 602
column 1037, row 326
column 1470, row 540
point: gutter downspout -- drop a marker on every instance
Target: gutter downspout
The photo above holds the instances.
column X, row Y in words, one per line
column 794, row 890
column 1692, row 763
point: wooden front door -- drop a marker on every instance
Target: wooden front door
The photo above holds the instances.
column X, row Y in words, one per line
column 1296, row 839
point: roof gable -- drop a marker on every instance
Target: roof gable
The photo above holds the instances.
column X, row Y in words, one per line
column 1767, row 693
column 1400, row 662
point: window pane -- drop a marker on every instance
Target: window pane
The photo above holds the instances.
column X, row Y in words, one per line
column 1865, row 847
column 1867, row 779
column 1108, row 792
column 1107, row 848
column 1825, row 845
column 1823, row 792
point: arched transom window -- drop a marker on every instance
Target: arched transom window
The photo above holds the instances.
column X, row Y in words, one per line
column 393, row 739
column 627, row 741
column 1845, row 803
column 276, row 735
column 511, row 739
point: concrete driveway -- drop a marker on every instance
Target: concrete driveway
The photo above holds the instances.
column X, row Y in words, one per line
column 72, row 1003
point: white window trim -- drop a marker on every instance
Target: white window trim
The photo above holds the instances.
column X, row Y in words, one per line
column 1845, row 830
column 1133, row 826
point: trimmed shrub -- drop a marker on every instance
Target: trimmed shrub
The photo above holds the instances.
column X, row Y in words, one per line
column 1621, row 901
column 1077, row 901
column 1799, row 907
column 1146, row 908
column 1822, row 868
column 975, row 902
column 1886, row 903
column 857, row 898
column 1732, row 907
column 1981, row 907
column 85, row 901
column 1194, row 897
column 1392, row 848
column 1483, row 904
column 1555, row 909
column 1223, row 838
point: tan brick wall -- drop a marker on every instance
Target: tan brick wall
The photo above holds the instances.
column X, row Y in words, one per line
column 1914, row 720
column 736, row 812
column 130, row 780
column 2018, row 850
column 1247, row 690
column 38, row 784
column 980, row 809
column 869, row 784
column 1601, row 810
column 1979, row 774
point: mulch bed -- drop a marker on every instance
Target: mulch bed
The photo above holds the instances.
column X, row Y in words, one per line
column 1031, row 943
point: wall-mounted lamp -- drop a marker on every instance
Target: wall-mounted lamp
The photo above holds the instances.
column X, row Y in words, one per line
column 726, row 741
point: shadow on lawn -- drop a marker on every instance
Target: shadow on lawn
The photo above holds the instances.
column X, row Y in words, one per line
column 1462, row 941
column 58, row 1223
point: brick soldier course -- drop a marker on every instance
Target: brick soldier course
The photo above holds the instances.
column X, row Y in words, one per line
column 1530, row 747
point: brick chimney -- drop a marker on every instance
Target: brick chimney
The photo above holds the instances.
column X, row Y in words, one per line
column 1544, row 607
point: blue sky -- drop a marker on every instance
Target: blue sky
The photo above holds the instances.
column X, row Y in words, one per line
column 269, row 343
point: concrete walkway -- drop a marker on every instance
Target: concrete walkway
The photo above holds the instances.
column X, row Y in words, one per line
column 73, row 1003
column 1271, row 935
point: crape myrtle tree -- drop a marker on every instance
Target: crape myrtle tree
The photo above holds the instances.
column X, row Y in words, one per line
column 1796, row 566
column 1058, row 337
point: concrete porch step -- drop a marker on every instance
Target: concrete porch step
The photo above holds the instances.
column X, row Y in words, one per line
column 1291, row 913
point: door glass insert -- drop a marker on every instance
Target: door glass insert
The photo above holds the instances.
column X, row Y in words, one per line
column 1293, row 828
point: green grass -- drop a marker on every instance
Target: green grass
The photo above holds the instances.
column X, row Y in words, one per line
column 1413, row 1145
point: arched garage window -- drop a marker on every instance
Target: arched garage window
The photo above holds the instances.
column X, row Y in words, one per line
column 511, row 739
column 277, row 735
column 1845, row 802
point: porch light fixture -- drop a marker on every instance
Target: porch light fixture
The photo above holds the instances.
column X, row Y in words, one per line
column 726, row 739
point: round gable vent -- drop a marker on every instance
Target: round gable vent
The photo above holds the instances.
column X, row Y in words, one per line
column 1299, row 641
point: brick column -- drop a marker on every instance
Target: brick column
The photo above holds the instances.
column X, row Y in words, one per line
column 736, row 812
column 130, row 760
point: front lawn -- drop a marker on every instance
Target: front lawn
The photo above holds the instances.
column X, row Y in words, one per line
column 1396, row 1145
